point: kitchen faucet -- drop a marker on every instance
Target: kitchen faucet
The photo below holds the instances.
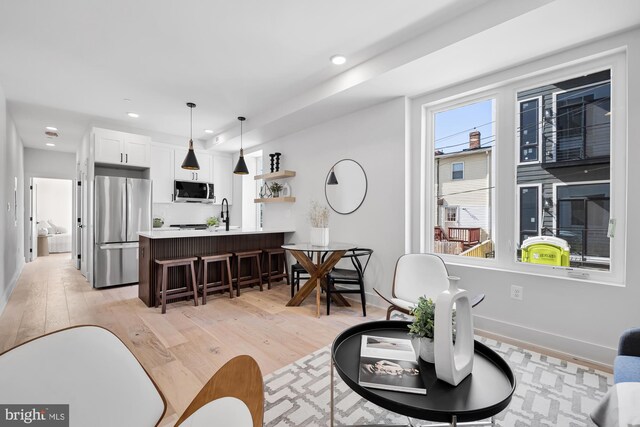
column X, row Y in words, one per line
column 224, row 218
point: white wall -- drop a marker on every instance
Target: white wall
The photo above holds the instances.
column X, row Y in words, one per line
column 11, row 224
column 374, row 137
column 54, row 198
column 581, row 318
column 45, row 164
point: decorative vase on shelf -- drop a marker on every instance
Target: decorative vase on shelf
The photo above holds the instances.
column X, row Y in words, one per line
column 319, row 236
column 453, row 362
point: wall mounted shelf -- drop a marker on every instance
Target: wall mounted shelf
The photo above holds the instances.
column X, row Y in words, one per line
column 275, row 175
column 275, row 200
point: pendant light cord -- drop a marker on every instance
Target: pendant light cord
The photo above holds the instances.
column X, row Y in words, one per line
column 241, row 134
column 190, row 123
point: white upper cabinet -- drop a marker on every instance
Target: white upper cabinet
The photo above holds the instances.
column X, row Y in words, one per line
column 222, row 178
column 121, row 148
column 162, row 173
column 202, row 175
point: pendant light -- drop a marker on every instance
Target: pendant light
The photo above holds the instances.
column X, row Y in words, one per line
column 190, row 162
column 241, row 167
column 332, row 178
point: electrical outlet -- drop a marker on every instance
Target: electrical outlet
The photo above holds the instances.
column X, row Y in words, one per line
column 516, row 292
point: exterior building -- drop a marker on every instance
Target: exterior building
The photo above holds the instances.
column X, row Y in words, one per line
column 563, row 173
column 463, row 181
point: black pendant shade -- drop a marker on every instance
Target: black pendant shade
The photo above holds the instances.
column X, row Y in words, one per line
column 190, row 162
column 332, row 178
column 241, row 167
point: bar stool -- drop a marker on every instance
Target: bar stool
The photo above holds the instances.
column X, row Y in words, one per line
column 275, row 271
column 223, row 262
column 162, row 279
column 252, row 279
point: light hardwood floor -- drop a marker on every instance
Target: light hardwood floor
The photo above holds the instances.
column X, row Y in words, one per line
column 185, row 347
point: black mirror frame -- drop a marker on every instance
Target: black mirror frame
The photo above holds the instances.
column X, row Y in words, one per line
column 366, row 187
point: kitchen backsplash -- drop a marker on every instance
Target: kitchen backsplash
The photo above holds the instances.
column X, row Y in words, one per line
column 189, row 213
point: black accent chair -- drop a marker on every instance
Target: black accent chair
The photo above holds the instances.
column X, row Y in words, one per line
column 351, row 280
column 298, row 272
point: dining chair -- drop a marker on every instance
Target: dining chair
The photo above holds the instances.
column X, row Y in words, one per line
column 88, row 368
column 234, row 396
column 418, row 275
column 351, row 280
column 298, row 272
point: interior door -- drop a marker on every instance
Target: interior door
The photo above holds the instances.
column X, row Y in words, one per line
column 78, row 222
column 33, row 222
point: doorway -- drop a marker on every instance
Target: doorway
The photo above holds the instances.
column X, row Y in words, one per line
column 51, row 217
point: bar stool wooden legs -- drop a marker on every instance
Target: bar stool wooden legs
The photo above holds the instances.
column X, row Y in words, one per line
column 162, row 271
column 223, row 262
column 275, row 271
column 252, row 278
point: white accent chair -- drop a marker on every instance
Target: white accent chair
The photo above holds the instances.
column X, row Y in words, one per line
column 88, row 368
column 418, row 275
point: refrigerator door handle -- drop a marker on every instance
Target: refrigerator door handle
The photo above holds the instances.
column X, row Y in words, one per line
column 118, row 246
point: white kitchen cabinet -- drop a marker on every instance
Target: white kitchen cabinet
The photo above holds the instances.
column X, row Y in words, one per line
column 162, row 173
column 222, row 178
column 202, row 175
column 121, row 148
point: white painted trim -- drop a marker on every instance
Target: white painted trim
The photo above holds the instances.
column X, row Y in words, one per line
column 408, row 170
column 587, row 351
column 540, row 126
column 4, row 298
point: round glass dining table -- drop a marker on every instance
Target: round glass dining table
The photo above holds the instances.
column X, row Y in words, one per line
column 318, row 270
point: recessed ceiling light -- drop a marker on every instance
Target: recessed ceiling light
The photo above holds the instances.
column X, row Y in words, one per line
column 338, row 59
column 208, row 131
column 133, row 115
column 126, row 100
column 51, row 128
column 50, row 144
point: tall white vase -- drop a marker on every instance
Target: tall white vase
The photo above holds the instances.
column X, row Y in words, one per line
column 453, row 363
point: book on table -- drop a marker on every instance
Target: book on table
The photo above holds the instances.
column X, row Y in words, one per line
column 389, row 364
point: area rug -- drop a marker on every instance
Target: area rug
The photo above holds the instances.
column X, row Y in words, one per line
column 549, row 392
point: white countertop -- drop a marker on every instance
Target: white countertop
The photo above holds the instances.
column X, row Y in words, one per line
column 167, row 233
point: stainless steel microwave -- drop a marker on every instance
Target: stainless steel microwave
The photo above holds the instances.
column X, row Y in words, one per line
column 193, row 192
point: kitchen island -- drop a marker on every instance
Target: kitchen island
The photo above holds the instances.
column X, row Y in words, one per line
column 162, row 244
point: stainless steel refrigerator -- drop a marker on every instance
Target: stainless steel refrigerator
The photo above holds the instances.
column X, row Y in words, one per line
column 122, row 208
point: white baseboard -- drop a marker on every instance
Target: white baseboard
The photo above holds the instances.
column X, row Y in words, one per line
column 570, row 348
column 4, row 298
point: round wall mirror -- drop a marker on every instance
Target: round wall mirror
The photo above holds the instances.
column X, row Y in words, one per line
column 345, row 186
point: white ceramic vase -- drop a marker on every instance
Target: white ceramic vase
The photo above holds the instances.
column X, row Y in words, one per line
column 454, row 362
column 319, row 236
column 426, row 349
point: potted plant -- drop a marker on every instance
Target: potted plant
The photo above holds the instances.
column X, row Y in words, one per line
column 422, row 327
column 275, row 188
column 212, row 222
column 319, row 218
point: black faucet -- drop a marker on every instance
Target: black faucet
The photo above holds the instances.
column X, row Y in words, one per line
column 224, row 218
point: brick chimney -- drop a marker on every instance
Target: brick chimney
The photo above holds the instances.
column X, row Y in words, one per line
column 474, row 140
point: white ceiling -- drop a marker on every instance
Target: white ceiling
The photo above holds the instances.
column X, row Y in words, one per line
column 71, row 63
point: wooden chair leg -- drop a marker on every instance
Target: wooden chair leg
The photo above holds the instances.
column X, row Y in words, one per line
column 204, row 282
column 389, row 310
column 286, row 267
column 165, row 279
column 158, row 274
column 194, row 285
column 229, row 278
column 257, row 258
column 237, row 269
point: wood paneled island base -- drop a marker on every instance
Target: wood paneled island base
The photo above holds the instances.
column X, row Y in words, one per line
column 155, row 246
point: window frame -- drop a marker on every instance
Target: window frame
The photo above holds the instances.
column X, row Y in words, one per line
column 456, row 209
column 540, row 116
column 452, row 171
column 503, row 87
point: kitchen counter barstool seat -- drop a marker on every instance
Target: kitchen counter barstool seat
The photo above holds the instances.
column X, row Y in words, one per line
column 223, row 261
column 276, row 271
column 162, row 271
column 255, row 276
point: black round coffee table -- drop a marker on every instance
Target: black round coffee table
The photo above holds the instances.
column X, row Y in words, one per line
column 483, row 394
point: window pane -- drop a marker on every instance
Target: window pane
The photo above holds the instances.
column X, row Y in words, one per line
column 463, row 211
column 529, row 130
column 528, row 212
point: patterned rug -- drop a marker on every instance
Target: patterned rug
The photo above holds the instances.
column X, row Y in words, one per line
column 549, row 392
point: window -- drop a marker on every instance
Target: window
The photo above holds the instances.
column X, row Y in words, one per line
column 463, row 142
column 529, row 212
column 451, row 213
column 529, row 130
column 457, row 170
column 561, row 168
column 576, row 143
